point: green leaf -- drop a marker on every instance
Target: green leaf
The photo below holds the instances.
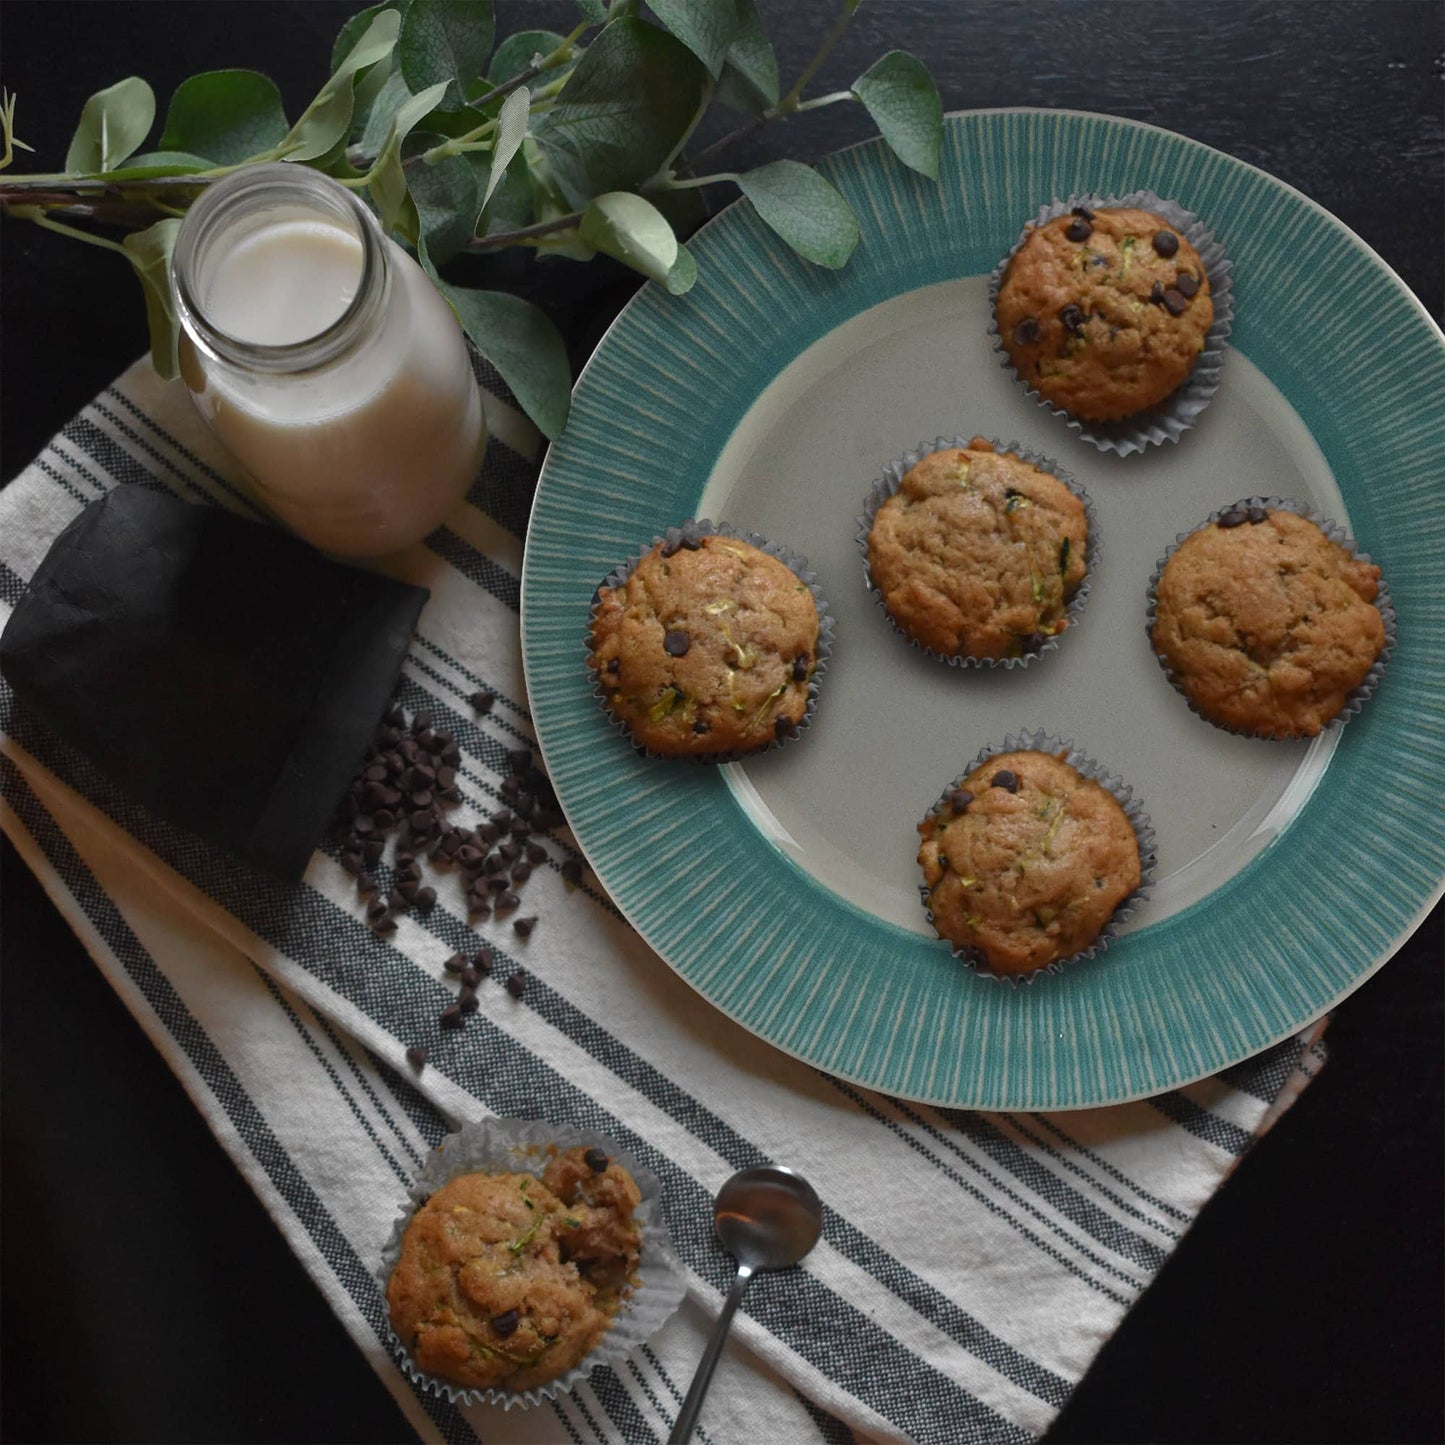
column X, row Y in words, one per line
column 899, row 94
column 592, row 11
column 633, row 230
column 628, row 102
column 683, row 273
column 524, row 346
column 355, row 28
column 804, row 210
column 151, row 164
column 447, row 40
column 511, row 131
column 328, row 118
column 511, row 205
column 112, row 125
column 150, row 255
column 228, row 115
column 388, row 178
column 392, row 97
column 707, row 27
column 515, row 54
column 446, row 198
column 749, row 82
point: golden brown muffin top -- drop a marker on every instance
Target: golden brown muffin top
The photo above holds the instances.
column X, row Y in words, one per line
column 707, row 647
column 1104, row 312
column 1266, row 624
column 506, row 1280
column 1026, row 860
column 978, row 553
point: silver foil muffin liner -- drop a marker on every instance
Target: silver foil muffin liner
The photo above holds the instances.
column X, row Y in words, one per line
column 1041, row 742
column 521, row 1146
column 1336, row 534
column 1169, row 419
column 888, row 484
column 793, row 561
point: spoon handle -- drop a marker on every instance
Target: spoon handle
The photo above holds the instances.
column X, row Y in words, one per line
column 687, row 1416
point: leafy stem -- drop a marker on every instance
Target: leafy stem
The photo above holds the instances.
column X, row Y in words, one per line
column 34, row 213
column 526, row 233
column 558, row 56
column 789, row 103
column 663, row 174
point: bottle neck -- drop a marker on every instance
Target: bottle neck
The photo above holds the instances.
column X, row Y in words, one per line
column 234, row 212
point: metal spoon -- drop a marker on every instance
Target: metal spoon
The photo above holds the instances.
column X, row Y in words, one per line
column 766, row 1218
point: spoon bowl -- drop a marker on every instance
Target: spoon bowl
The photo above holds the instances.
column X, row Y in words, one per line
column 766, row 1217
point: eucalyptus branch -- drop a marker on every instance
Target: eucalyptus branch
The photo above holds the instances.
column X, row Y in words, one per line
column 558, row 56
column 569, row 222
column 664, row 172
column 34, row 213
column 789, row 102
column 691, row 183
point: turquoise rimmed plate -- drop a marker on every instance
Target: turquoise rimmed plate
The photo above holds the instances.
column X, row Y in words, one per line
column 785, row 889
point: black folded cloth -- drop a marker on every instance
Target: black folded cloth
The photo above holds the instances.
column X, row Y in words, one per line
column 225, row 675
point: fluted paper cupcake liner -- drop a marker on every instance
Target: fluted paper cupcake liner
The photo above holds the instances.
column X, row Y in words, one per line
column 1169, row 419
column 1337, row 534
column 793, row 561
column 1039, row 741
column 888, row 484
column 522, row 1146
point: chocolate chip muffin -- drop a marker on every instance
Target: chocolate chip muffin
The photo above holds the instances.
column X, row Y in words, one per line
column 506, row 1281
column 978, row 553
column 1264, row 623
column 1104, row 312
column 1025, row 861
column 707, row 648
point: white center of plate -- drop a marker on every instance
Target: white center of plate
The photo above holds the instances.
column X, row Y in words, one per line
column 894, row 727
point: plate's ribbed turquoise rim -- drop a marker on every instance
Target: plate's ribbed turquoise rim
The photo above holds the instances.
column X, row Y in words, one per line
column 1287, row 937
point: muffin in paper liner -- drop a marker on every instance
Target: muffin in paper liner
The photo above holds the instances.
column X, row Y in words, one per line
column 523, row 1146
column 1335, row 533
column 1122, row 793
column 793, row 561
column 888, row 484
column 1169, row 419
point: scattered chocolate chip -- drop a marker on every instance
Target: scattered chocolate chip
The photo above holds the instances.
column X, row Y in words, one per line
column 1234, row 517
column 1166, row 244
column 478, row 907
column 471, row 977
column 520, row 760
column 691, row 542
column 596, row 1160
column 1186, row 283
column 455, row 964
column 521, row 871
column 489, row 833
column 521, row 828
column 1079, row 229
column 702, row 727
column 523, row 927
column 959, row 800
column 675, row 642
column 416, row 1056
column 1027, row 331
column 426, row 898
column 452, row 1017
column 1006, row 780
column 1072, row 317
column 362, row 825
column 536, row 853
column 505, row 900
column 405, row 857
column 376, row 908
column 365, row 884
column 1257, row 515
column 1174, row 303
column 1083, row 211
column 385, row 924
column 517, row 984
column 384, row 818
column 421, row 723
column 483, row 960
column 482, row 701
column 1156, row 293
column 407, row 889
column 468, row 1001
column 572, row 871
column 506, row 1324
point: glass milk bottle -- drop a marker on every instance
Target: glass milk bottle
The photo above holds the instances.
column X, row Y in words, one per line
column 326, row 362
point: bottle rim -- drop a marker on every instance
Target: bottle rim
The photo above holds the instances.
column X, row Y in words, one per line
column 225, row 202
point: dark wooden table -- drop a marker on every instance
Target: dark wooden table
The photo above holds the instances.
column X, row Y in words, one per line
column 147, row 1296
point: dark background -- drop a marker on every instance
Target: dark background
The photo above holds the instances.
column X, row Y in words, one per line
column 146, row 1294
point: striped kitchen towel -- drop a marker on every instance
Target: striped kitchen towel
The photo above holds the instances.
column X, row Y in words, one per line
column 971, row 1264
